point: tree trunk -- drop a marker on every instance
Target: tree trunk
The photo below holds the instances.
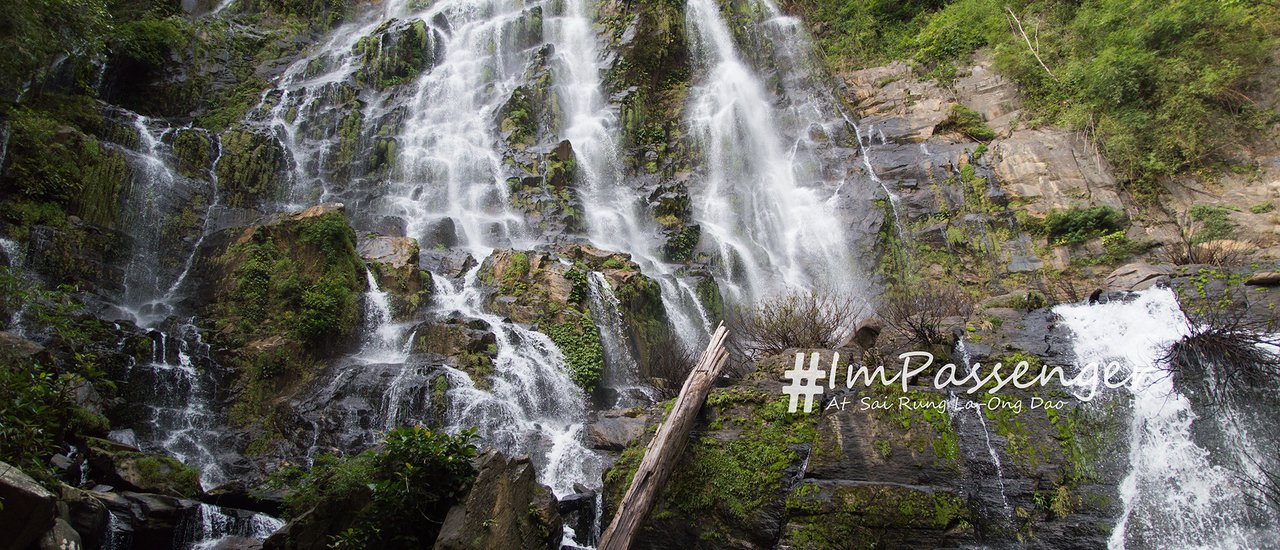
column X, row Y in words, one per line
column 664, row 449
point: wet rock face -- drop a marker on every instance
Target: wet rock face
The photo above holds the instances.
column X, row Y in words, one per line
column 506, row 508
column 395, row 264
column 924, row 476
column 397, row 52
column 251, row 171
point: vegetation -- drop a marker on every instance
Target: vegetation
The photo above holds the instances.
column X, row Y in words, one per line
column 392, row 496
column 38, row 411
column 800, row 319
column 968, row 122
column 1077, row 225
column 1164, row 87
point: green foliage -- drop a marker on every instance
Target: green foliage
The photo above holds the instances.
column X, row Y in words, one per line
column 34, row 33
column 579, row 339
column 1263, row 208
column 149, row 42
column 968, row 122
column 1163, row 86
column 412, row 480
column 1215, row 223
column 37, row 406
column 1078, row 225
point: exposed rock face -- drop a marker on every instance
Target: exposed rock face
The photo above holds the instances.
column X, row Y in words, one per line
column 757, row 476
column 394, row 261
column 1137, row 276
column 28, row 508
column 506, row 509
column 152, row 521
column 615, row 430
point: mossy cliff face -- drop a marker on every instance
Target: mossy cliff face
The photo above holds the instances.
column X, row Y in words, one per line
column 252, row 168
column 287, row 295
column 892, row 476
column 538, row 288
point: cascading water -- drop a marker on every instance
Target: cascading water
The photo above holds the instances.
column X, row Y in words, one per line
column 533, row 407
column 954, row 407
column 621, row 373
column 767, row 213
column 614, row 219
column 1175, row 495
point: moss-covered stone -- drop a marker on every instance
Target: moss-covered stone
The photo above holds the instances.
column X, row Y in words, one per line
column 287, row 294
column 832, row 514
column 137, row 471
column 397, row 52
column 194, row 152
column 251, row 170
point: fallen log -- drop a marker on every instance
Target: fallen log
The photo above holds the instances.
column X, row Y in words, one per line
column 664, row 449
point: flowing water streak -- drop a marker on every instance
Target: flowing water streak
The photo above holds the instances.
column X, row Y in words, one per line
column 768, row 232
column 214, row 526
column 982, row 419
column 621, row 372
column 615, row 218
column 1175, row 495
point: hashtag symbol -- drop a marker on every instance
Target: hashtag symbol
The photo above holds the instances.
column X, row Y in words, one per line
column 798, row 378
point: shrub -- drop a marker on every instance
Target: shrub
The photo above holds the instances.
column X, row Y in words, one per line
column 919, row 311
column 412, row 479
column 1077, row 225
column 670, row 363
column 969, row 122
column 800, row 319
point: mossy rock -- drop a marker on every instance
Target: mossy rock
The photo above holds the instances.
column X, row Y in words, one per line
column 397, row 52
column 142, row 472
column 251, row 171
column 394, row 263
column 828, row 514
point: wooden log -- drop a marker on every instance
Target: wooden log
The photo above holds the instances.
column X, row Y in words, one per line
column 664, row 450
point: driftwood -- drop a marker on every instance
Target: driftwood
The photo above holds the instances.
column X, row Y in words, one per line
column 664, row 449
column 1035, row 49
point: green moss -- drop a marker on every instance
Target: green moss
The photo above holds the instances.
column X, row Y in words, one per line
column 194, row 152
column 162, row 471
column 681, row 242
column 735, row 479
column 579, row 339
column 869, row 516
column 396, row 53
column 967, row 121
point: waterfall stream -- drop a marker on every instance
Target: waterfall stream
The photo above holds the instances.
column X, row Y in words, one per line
column 1175, row 494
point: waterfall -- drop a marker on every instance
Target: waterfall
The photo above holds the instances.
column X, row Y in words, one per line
column 615, row 220
column 770, row 229
column 533, row 406
column 621, row 375
column 215, row 527
column 1175, row 495
column 182, row 422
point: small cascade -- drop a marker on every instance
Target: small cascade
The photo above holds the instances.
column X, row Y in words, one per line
column 621, row 375
column 212, row 527
column 382, row 335
column 1176, row 494
column 12, row 251
column 533, row 407
column 179, row 397
column 865, row 145
column 965, row 356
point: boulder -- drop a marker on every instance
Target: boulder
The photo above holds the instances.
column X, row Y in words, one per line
column 61, row 537
column 28, row 508
column 133, row 470
column 85, row 514
column 1137, row 276
column 153, row 521
column 446, row 263
column 1264, row 278
column 614, row 431
column 506, row 509
column 16, row 350
column 867, row 332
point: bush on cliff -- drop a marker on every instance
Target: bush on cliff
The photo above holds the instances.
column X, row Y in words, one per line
column 393, row 496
